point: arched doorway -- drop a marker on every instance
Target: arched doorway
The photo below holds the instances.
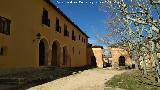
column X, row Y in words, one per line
column 66, row 56
column 55, row 54
column 122, row 61
column 43, row 53
column 93, row 61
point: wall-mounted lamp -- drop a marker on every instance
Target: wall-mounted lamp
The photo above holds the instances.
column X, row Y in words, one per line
column 38, row 36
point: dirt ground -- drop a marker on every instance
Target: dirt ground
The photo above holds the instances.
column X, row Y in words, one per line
column 92, row 79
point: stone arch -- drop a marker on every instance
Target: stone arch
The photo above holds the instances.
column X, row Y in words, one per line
column 93, row 61
column 122, row 61
column 43, row 52
column 56, row 53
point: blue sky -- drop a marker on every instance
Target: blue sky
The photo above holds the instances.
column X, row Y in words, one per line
column 89, row 17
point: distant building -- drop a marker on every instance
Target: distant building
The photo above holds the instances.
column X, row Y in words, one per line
column 95, row 56
column 120, row 57
column 35, row 33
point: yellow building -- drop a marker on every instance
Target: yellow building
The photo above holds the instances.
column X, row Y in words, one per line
column 95, row 56
column 36, row 33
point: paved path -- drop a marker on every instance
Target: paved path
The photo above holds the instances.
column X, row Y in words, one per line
column 92, row 79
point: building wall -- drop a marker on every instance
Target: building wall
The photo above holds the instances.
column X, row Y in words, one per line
column 89, row 55
column 98, row 54
column 116, row 53
column 26, row 22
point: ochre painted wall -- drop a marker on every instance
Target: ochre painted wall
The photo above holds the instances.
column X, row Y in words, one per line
column 116, row 53
column 98, row 53
column 26, row 23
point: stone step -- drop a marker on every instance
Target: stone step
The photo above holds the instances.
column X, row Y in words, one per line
column 16, row 81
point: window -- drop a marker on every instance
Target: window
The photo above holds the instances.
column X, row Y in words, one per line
column 82, row 39
column 66, row 32
column 79, row 37
column 3, row 51
column 58, row 28
column 45, row 19
column 5, row 26
column 73, row 37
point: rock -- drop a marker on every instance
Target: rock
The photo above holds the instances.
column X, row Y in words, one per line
column 74, row 73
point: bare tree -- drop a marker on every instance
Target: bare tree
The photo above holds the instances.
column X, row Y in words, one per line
column 135, row 23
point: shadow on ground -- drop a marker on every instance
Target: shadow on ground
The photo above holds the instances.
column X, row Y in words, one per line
column 26, row 78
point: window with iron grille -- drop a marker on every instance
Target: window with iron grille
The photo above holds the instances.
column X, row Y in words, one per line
column 4, row 25
column 3, row 50
column 58, row 28
column 66, row 32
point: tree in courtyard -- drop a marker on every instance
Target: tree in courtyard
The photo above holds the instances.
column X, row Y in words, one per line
column 136, row 23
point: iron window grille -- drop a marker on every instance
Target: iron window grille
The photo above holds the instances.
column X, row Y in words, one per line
column 5, row 25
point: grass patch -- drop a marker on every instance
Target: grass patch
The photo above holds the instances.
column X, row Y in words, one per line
column 133, row 80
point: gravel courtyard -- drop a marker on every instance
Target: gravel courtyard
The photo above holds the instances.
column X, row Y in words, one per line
column 92, row 79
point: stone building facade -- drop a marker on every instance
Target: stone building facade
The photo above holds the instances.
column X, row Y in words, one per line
column 35, row 33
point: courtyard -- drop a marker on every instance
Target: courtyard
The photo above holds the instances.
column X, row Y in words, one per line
column 92, row 79
column 80, row 44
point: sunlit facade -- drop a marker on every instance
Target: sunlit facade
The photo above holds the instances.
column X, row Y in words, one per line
column 36, row 33
column 95, row 56
column 120, row 57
